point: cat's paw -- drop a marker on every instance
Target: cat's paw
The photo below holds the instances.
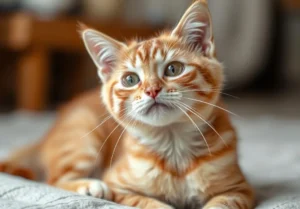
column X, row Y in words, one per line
column 95, row 188
column 163, row 206
column 7, row 167
column 166, row 207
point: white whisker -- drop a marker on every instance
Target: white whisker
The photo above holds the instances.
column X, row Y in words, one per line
column 193, row 122
column 111, row 159
column 216, row 106
column 192, row 85
column 106, row 119
column 193, row 110
column 198, row 90
column 118, row 124
column 104, row 142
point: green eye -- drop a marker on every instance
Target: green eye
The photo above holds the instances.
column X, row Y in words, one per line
column 130, row 80
column 174, row 69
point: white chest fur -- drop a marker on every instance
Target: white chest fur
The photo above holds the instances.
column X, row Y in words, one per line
column 176, row 144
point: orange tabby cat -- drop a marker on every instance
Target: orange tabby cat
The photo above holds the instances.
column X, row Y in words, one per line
column 166, row 141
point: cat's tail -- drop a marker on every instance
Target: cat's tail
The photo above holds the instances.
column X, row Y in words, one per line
column 23, row 163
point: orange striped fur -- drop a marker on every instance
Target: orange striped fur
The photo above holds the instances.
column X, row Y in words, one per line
column 159, row 138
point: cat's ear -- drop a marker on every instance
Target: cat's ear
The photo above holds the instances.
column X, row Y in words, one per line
column 195, row 28
column 103, row 50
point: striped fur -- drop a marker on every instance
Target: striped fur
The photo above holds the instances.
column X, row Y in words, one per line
column 163, row 142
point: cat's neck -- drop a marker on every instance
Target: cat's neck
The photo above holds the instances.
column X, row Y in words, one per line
column 178, row 144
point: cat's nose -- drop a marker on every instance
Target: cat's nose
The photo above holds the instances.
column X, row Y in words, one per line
column 152, row 91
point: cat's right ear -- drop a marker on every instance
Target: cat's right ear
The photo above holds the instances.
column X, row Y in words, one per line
column 103, row 50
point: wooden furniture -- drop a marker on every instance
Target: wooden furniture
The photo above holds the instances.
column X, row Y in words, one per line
column 35, row 39
column 291, row 4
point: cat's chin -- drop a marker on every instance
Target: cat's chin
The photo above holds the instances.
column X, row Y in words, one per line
column 159, row 115
column 157, row 109
column 156, row 122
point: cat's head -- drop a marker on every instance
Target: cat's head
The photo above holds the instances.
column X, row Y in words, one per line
column 156, row 81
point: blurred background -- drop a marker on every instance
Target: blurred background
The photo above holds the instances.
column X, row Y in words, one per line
column 43, row 62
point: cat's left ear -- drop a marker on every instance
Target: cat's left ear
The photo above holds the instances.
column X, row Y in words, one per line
column 195, row 28
column 103, row 50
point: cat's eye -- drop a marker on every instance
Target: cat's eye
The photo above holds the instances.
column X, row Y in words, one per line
column 174, row 69
column 130, row 80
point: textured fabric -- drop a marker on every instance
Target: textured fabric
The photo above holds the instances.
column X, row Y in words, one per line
column 269, row 155
column 16, row 193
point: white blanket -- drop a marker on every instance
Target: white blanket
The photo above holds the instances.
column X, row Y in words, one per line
column 16, row 193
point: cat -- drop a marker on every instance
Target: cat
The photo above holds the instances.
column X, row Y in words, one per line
column 160, row 137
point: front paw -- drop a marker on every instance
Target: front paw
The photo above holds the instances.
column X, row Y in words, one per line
column 165, row 207
column 94, row 188
column 159, row 206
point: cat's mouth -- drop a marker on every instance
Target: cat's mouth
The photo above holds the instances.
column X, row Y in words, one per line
column 156, row 108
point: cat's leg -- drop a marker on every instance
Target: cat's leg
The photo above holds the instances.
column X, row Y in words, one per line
column 22, row 163
column 17, row 170
column 71, row 171
column 137, row 200
column 239, row 198
column 71, row 154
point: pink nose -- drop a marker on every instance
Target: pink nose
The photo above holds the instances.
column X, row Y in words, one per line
column 152, row 91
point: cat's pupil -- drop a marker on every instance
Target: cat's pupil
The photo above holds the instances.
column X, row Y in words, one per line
column 172, row 69
column 130, row 79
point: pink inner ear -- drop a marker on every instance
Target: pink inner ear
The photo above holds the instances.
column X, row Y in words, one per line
column 199, row 39
column 106, row 70
column 103, row 51
column 95, row 48
column 105, row 65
